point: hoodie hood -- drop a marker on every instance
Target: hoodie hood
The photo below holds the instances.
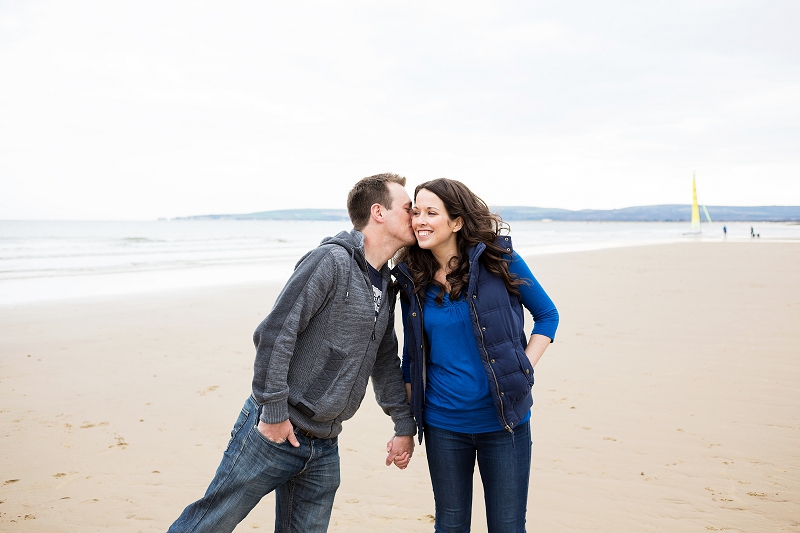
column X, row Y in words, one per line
column 353, row 242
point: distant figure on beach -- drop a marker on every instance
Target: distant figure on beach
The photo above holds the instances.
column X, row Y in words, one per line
column 752, row 233
column 725, row 231
column 331, row 330
column 467, row 361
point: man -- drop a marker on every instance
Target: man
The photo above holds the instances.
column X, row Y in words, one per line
column 331, row 328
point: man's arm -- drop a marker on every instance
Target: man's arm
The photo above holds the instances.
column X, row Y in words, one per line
column 390, row 393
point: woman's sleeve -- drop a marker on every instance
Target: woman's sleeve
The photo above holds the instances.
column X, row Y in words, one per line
column 406, row 361
column 535, row 300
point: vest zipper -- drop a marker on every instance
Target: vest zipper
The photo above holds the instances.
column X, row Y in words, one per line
column 494, row 376
column 422, row 345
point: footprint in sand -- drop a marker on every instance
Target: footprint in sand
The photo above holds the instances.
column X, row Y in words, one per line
column 60, row 474
column 87, row 425
column 120, row 442
column 212, row 388
column 10, row 481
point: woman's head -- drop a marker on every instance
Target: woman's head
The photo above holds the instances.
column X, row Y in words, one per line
column 458, row 215
column 468, row 216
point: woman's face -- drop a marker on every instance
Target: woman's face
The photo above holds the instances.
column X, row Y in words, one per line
column 432, row 225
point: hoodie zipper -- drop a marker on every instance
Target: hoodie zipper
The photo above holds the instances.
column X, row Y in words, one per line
column 369, row 288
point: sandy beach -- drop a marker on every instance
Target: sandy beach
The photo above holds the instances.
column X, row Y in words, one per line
column 670, row 401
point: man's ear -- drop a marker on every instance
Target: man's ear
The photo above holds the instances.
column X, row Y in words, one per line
column 376, row 212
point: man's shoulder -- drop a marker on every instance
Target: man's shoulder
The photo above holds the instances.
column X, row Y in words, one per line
column 336, row 252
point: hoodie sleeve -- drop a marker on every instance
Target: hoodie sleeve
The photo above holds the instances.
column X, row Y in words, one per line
column 309, row 288
column 387, row 382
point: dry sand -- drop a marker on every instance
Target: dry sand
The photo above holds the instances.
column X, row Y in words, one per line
column 669, row 402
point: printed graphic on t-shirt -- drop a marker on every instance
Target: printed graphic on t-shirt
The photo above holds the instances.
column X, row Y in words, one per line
column 377, row 294
column 377, row 281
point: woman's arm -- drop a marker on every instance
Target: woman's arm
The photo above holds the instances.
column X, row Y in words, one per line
column 538, row 303
column 535, row 349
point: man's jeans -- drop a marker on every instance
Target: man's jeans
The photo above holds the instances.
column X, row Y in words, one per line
column 504, row 461
column 304, row 479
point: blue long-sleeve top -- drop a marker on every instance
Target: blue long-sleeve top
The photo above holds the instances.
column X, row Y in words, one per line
column 457, row 395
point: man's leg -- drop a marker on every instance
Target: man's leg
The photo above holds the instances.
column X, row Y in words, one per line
column 251, row 467
column 303, row 504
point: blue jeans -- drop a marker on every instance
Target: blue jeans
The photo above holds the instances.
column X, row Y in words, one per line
column 304, row 479
column 504, row 460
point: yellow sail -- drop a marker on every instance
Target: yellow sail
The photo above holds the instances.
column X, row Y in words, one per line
column 695, row 209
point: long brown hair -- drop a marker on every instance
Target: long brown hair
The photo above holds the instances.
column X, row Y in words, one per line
column 480, row 225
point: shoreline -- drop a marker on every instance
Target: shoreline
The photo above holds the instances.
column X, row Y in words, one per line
column 669, row 395
column 100, row 287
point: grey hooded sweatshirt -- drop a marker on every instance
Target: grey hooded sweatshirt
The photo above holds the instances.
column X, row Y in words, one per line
column 321, row 342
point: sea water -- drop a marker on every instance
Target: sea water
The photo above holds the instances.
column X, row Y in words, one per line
column 53, row 260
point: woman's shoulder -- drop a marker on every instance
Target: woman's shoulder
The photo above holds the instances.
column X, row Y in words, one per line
column 504, row 241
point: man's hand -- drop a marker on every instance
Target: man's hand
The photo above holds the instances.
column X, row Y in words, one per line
column 279, row 433
column 400, row 449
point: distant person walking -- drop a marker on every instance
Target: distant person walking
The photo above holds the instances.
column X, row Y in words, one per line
column 752, row 233
column 725, row 231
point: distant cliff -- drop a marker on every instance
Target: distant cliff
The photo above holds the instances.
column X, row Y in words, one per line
column 283, row 214
column 647, row 213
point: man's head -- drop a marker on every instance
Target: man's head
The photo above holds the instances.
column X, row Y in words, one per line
column 380, row 208
column 368, row 192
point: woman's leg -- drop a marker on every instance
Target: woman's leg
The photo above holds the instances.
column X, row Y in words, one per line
column 504, row 461
column 451, row 462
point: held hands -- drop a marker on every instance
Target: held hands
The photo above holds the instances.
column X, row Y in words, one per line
column 400, row 448
column 279, row 433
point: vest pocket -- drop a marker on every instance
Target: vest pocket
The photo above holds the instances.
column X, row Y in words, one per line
column 525, row 366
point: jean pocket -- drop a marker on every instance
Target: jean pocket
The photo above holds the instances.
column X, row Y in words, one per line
column 244, row 414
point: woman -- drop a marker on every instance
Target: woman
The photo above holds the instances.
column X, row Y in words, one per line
column 468, row 365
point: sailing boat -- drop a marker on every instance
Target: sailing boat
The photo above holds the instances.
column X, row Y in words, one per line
column 696, row 211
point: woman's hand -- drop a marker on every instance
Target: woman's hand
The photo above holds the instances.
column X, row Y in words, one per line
column 400, row 448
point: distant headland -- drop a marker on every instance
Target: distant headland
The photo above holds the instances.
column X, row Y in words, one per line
column 647, row 213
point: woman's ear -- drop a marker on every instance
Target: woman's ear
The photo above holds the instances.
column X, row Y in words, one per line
column 458, row 223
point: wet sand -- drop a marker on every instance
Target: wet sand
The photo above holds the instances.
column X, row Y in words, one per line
column 669, row 402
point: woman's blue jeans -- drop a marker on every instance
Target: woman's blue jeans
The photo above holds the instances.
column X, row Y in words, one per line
column 304, row 479
column 504, row 460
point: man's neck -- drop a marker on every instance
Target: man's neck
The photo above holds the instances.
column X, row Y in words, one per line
column 377, row 252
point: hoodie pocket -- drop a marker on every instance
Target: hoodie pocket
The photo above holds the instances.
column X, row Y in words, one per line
column 330, row 389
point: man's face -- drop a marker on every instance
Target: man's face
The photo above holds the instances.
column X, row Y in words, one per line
column 398, row 218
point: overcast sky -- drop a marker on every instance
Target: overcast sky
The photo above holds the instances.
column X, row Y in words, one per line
column 146, row 109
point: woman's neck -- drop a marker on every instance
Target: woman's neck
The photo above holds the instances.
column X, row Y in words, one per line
column 443, row 257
